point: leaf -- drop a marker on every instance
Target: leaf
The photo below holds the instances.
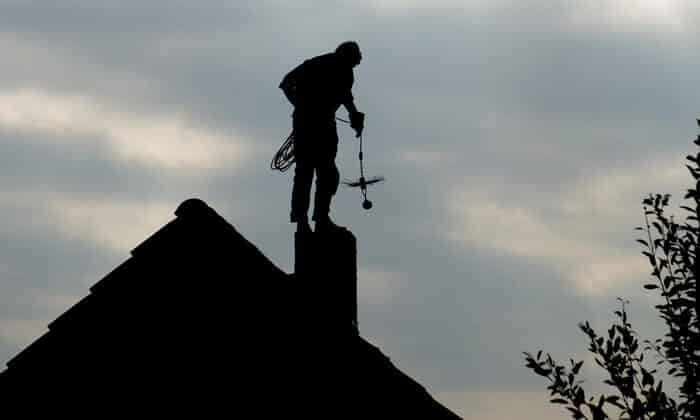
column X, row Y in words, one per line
column 541, row 371
column 559, row 401
column 576, row 413
column 614, row 400
column 652, row 258
column 651, row 286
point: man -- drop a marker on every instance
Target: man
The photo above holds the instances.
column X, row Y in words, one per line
column 317, row 88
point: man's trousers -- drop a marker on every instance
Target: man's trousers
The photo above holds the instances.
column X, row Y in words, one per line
column 315, row 149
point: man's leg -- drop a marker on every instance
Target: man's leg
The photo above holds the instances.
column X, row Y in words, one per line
column 301, row 191
column 303, row 171
column 327, row 176
column 327, row 180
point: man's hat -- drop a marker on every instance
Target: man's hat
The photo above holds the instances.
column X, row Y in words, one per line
column 349, row 49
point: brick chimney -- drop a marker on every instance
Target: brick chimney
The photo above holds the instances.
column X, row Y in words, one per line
column 325, row 265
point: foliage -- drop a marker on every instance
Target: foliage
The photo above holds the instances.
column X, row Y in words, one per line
column 638, row 393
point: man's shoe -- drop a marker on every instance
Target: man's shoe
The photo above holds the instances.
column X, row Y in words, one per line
column 325, row 224
column 303, row 227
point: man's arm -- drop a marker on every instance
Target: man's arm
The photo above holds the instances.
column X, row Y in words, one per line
column 357, row 118
column 346, row 99
column 350, row 106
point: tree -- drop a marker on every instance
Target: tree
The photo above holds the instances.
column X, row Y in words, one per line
column 638, row 392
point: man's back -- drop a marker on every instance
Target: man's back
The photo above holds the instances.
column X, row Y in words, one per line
column 322, row 84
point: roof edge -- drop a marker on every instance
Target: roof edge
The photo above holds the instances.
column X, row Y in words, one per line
column 191, row 207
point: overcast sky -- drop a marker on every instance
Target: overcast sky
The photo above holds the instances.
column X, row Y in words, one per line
column 517, row 139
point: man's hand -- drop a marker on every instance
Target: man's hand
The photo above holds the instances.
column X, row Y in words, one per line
column 357, row 122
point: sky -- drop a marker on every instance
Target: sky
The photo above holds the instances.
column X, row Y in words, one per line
column 517, row 139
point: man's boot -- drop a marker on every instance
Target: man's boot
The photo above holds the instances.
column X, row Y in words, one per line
column 325, row 224
column 303, row 226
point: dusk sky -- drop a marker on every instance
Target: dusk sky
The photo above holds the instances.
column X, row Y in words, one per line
column 517, row 138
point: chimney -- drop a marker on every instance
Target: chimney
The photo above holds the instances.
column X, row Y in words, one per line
column 325, row 267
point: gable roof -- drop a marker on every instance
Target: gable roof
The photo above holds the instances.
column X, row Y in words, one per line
column 199, row 319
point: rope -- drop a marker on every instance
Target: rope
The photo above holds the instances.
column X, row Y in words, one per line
column 284, row 158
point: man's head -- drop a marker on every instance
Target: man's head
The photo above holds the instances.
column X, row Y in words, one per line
column 349, row 51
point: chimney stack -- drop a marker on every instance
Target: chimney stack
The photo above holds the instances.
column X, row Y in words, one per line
column 325, row 268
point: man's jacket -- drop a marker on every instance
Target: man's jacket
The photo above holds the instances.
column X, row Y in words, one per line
column 320, row 85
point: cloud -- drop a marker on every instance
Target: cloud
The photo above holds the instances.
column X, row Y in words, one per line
column 576, row 231
column 426, row 158
column 116, row 225
column 500, row 404
column 662, row 15
column 587, row 262
column 18, row 332
column 615, row 191
column 378, row 287
column 25, row 326
column 169, row 142
column 412, row 7
column 111, row 224
column 27, row 312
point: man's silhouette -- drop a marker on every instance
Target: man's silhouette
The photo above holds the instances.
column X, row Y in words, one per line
column 317, row 88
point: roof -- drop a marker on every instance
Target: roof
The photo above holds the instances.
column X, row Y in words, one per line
column 199, row 319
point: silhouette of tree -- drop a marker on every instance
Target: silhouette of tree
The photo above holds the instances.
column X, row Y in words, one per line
column 638, row 392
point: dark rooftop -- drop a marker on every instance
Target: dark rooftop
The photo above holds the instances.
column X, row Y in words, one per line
column 198, row 320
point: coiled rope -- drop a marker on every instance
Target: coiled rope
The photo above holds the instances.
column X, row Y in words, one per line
column 284, row 158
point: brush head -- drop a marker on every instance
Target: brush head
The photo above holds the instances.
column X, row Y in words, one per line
column 362, row 182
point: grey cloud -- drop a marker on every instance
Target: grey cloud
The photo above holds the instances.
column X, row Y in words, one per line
column 83, row 167
column 474, row 319
column 42, row 259
column 41, row 263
